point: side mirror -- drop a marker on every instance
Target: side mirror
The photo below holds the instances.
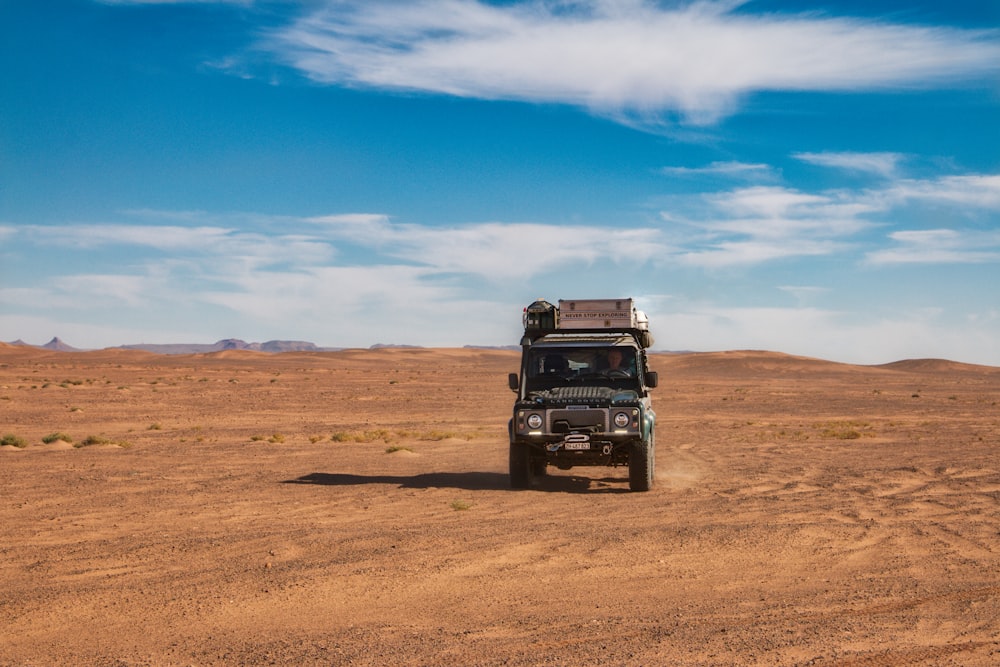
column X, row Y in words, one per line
column 652, row 379
column 512, row 382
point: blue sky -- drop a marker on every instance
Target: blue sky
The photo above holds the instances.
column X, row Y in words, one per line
column 814, row 177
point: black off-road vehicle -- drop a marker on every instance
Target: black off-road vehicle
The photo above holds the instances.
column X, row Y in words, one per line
column 583, row 391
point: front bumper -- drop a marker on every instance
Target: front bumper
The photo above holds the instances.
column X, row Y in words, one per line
column 566, row 436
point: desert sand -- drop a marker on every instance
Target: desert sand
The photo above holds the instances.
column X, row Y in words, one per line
column 352, row 508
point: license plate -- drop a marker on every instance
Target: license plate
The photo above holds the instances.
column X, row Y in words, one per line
column 576, row 446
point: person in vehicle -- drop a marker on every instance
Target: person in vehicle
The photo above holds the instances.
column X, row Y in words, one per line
column 617, row 362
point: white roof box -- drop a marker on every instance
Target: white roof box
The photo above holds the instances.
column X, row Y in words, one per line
column 601, row 314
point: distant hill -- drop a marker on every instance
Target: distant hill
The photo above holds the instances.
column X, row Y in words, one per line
column 58, row 345
column 932, row 366
column 680, row 361
column 229, row 344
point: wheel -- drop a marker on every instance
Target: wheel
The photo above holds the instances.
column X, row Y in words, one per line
column 641, row 464
column 539, row 468
column 520, row 466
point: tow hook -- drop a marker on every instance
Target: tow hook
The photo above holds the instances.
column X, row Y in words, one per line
column 606, row 450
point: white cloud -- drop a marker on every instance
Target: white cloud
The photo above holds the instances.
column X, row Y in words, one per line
column 773, row 203
column 112, row 289
column 348, row 220
column 939, row 246
column 753, row 225
column 729, row 169
column 750, row 252
column 161, row 237
column 497, row 251
column 235, row 250
column 880, row 164
column 750, row 226
column 632, row 60
column 979, row 191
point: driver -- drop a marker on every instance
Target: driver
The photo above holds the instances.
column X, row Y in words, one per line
column 616, row 362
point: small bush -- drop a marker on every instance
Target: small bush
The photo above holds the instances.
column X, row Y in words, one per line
column 437, row 435
column 53, row 437
column 276, row 437
column 846, row 434
column 13, row 441
column 460, row 505
column 92, row 440
column 849, row 430
column 397, row 448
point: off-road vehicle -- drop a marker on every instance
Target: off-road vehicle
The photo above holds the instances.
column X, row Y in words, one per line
column 583, row 391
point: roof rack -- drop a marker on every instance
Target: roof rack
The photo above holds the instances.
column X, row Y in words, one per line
column 583, row 316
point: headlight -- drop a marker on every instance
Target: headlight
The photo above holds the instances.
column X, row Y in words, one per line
column 534, row 421
column 622, row 419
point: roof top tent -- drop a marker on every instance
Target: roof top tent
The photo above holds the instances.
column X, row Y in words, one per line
column 541, row 318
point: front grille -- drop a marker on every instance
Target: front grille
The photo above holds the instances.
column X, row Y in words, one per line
column 584, row 394
column 561, row 421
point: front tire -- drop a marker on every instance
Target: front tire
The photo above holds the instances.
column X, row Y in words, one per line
column 539, row 467
column 641, row 464
column 520, row 466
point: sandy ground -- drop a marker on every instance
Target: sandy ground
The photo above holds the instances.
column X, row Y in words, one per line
column 353, row 508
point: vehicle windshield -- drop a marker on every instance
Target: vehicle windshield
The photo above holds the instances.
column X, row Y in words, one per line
column 555, row 366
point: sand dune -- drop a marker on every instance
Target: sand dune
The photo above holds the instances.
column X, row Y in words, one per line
column 937, row 366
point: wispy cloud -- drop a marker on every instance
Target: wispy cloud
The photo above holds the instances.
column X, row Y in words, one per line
column 880, row 164
column 161, row 237
column 306, row 264
column 231, row 246
column 753, row 225
column 632, row 60
column 939, row 246
column 731, row 169
column 969, row 191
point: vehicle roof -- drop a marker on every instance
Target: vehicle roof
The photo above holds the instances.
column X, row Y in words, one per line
column 586, row 340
